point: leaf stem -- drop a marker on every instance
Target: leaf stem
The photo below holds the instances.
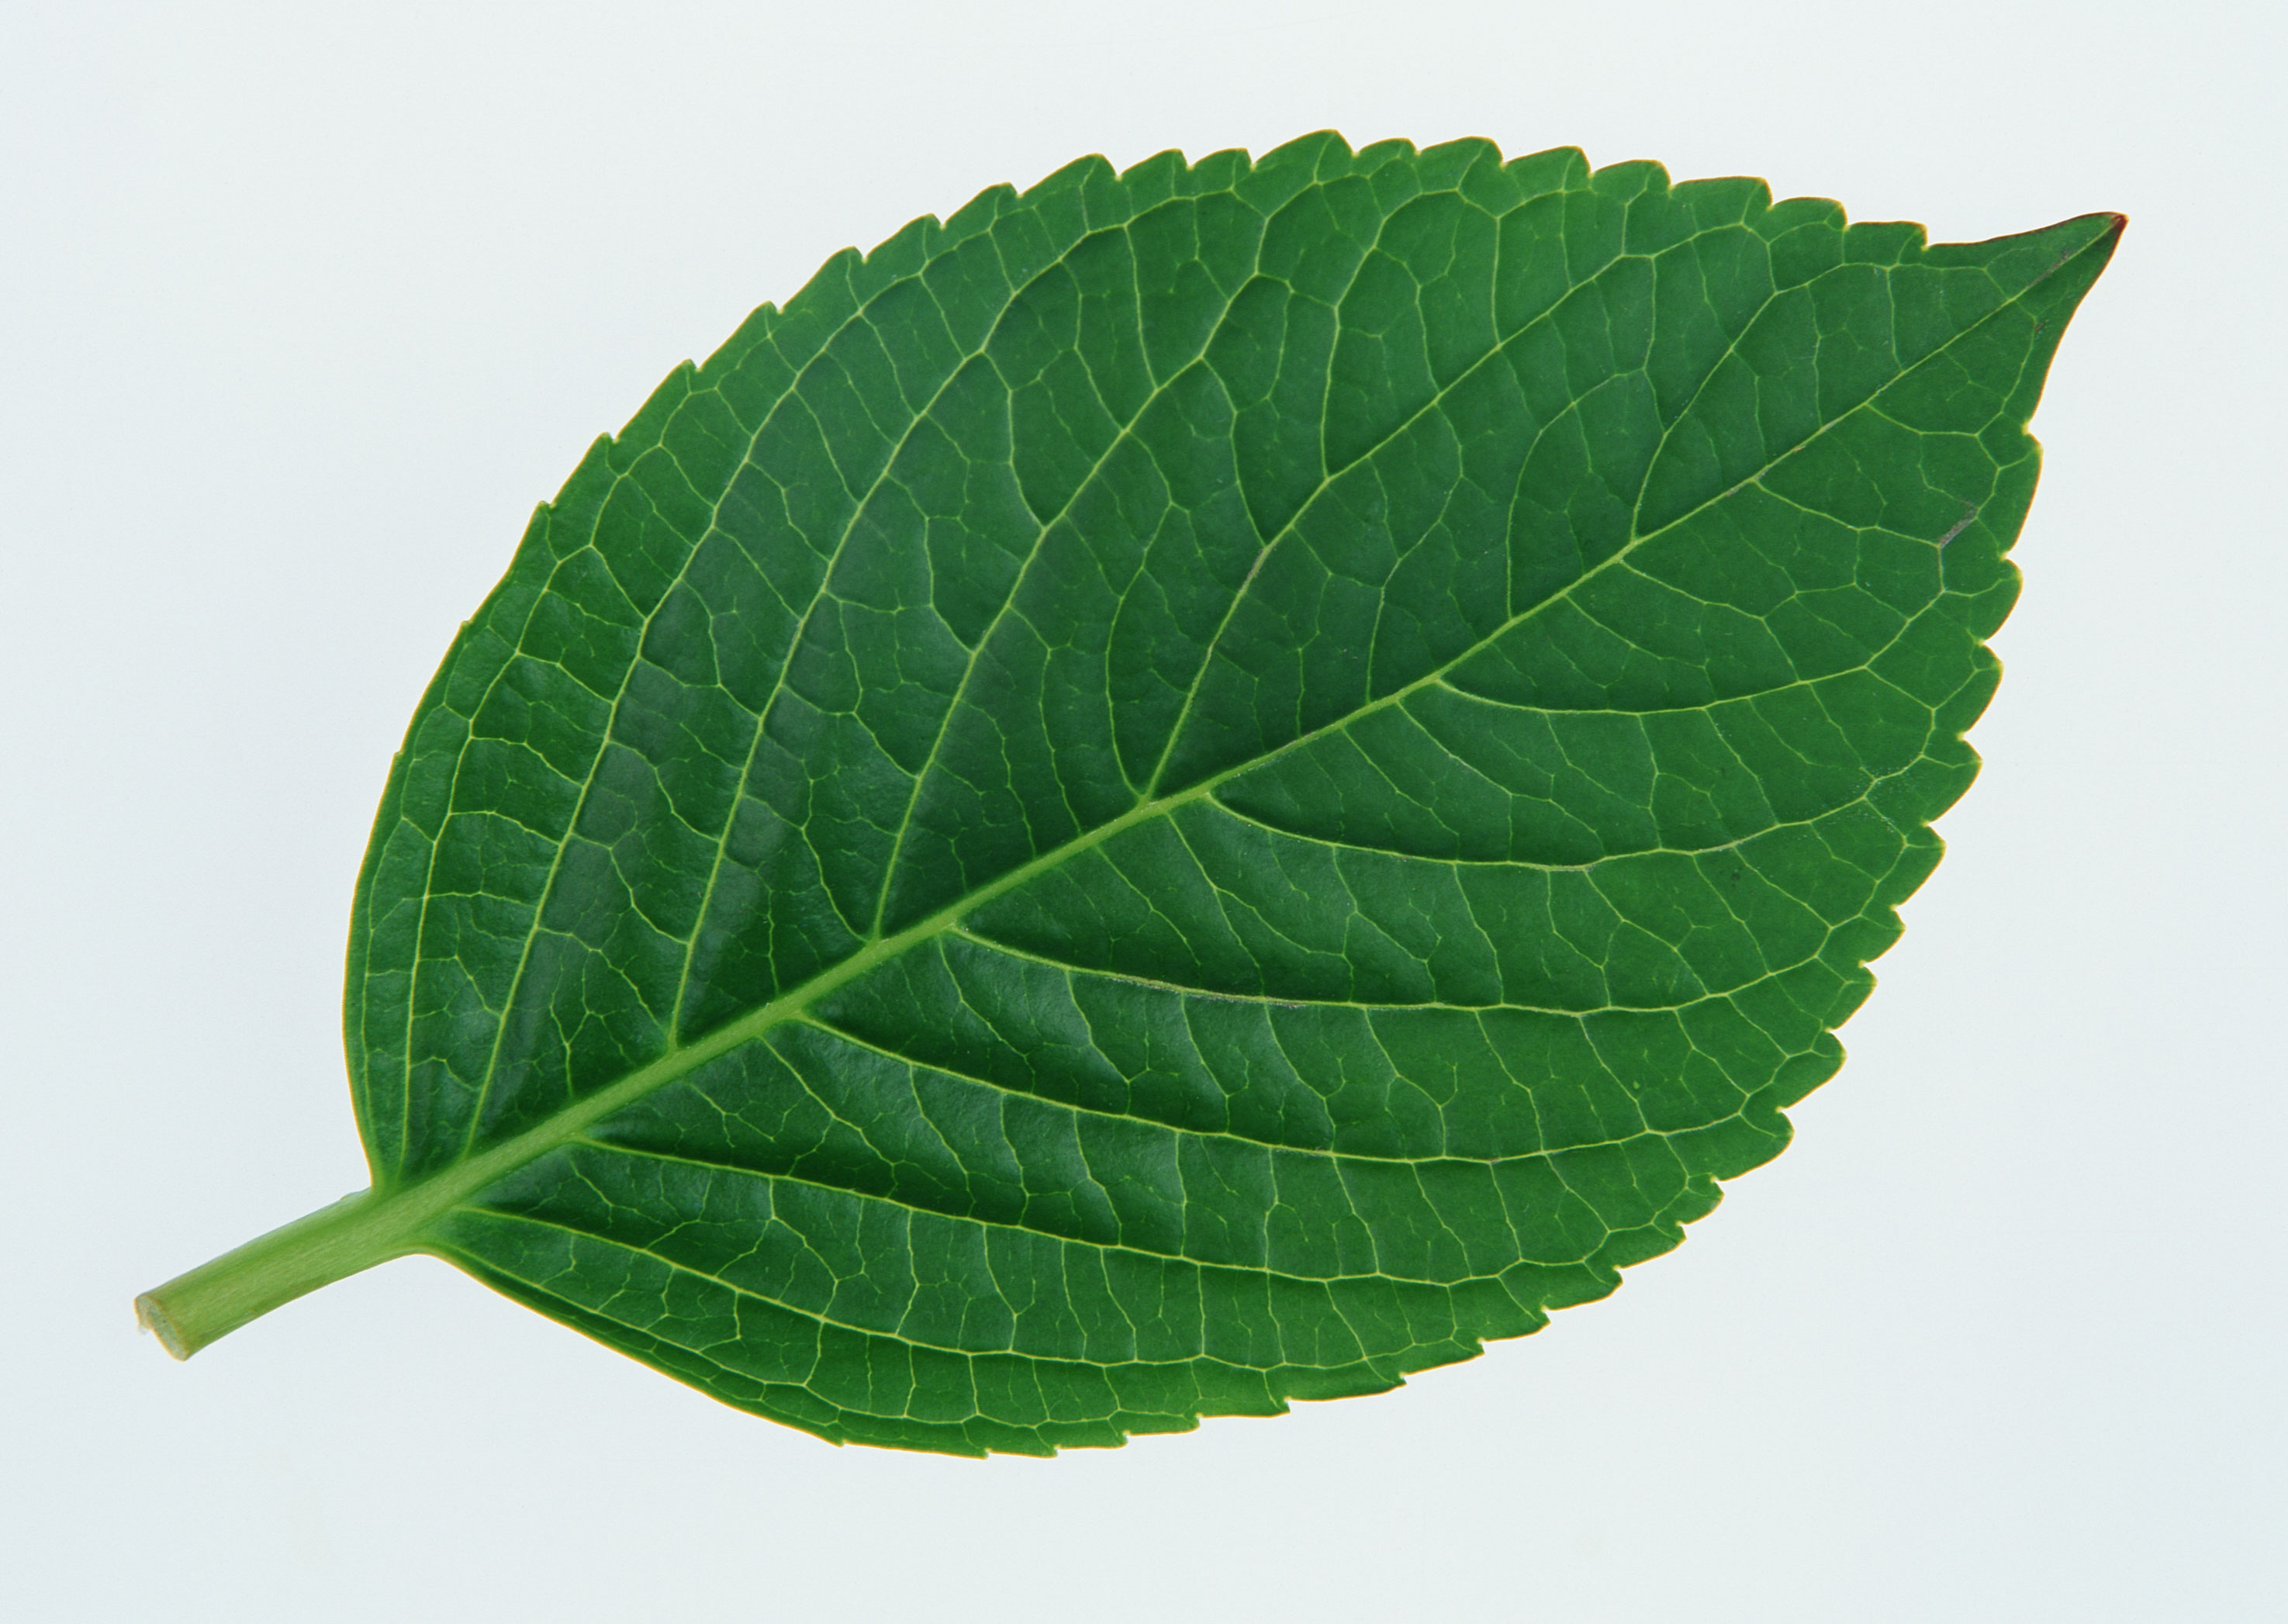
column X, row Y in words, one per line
column 218, row 1297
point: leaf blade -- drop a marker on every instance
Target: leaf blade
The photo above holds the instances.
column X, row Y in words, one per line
column 1379, row 920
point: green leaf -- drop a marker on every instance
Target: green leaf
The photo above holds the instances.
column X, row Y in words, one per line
column 1191, row 789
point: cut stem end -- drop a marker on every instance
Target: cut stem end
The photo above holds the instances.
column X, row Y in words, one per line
column 150, row 1316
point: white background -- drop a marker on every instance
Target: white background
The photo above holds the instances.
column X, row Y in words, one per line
column 302, row 308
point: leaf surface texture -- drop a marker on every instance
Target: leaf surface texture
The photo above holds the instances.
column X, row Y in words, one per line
column 1200, row 786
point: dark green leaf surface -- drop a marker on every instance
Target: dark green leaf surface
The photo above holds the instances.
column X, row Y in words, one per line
column 1199, row 786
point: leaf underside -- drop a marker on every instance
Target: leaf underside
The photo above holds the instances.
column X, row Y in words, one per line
column 1200, row 786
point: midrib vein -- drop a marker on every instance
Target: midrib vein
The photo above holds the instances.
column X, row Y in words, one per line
column 415, row 1205
column 430, row 1197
